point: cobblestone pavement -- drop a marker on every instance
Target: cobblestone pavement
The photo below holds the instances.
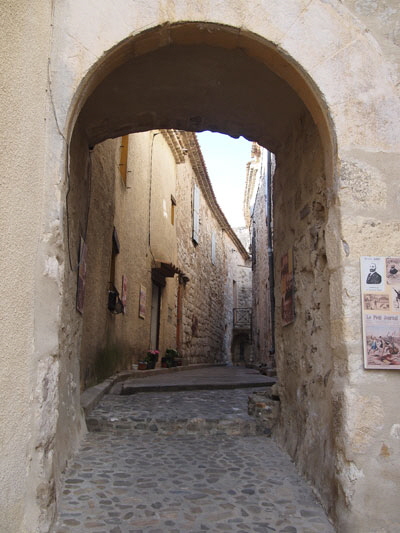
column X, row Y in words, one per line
column 206, row 412
column 159, row 480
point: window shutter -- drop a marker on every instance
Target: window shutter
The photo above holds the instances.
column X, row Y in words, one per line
column 123, row 162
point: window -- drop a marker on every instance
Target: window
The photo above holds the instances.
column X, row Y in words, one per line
column 123, row 159
column 114, row 253
column 196, row 214
column 173, row 204
column 234, row 294
column 114, row 302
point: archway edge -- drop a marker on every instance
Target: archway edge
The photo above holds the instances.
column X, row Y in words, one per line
column 217, row 35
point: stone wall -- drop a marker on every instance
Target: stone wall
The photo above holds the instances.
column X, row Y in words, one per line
column 203, row 296
column 242, row 341
column 303, row 348
column 262, row 313
column 140, row 212
column 208, row 296
column 237, row 343
column 239, row 70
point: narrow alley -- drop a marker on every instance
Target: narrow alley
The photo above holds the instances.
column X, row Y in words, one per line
column 179, row 453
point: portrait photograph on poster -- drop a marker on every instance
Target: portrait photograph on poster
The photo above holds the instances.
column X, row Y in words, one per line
column 372, row 273
column 393, row 270
column 380, row 288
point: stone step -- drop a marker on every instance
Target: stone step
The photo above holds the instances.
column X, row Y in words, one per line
column 243, row 427
column 183, row 412
column 126, row 389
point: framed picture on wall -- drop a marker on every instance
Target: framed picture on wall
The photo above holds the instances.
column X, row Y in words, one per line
column 124, row 293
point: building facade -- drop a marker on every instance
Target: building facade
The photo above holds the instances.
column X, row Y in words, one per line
column 259, row 180
column 161, row 262
column 317, row 83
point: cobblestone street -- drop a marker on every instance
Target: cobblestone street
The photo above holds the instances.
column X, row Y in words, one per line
column 183, row 461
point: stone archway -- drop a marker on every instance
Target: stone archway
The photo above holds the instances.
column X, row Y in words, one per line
column 207, row 76
column 315, row 116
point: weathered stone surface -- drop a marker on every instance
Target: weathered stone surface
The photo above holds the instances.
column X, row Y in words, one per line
column 265, row 407
column 263, row 328
column 303, row 348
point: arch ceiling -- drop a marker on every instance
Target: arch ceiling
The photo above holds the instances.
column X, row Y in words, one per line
column 196, row 82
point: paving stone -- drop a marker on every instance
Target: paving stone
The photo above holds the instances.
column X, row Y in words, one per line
column 130, row 480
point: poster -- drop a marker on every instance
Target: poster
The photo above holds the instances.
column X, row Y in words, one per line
column 142, row 302
column 380, row 291
column 287, row 288
column 80, row 292
column 124, row 292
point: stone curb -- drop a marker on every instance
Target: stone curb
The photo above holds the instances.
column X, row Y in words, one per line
column 92, row 396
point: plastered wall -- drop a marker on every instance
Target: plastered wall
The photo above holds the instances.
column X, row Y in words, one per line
column 140, row 211
column 23, row 170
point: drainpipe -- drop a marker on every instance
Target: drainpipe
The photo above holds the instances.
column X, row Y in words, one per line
column 270, row 251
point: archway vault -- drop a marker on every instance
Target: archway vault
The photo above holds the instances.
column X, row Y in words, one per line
column 213, row 77
column 203, row 76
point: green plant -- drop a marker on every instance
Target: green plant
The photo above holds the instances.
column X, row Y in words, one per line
column 170, row 357
column 152, row 358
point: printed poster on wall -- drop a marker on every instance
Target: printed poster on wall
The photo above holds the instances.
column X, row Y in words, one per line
column 124, row 292
column 380, row 292
column 287, row 288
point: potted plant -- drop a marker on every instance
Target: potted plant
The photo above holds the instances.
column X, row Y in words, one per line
column 170, row 357
column 152, row 358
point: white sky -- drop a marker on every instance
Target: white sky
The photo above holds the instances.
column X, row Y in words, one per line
column 226, row 160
